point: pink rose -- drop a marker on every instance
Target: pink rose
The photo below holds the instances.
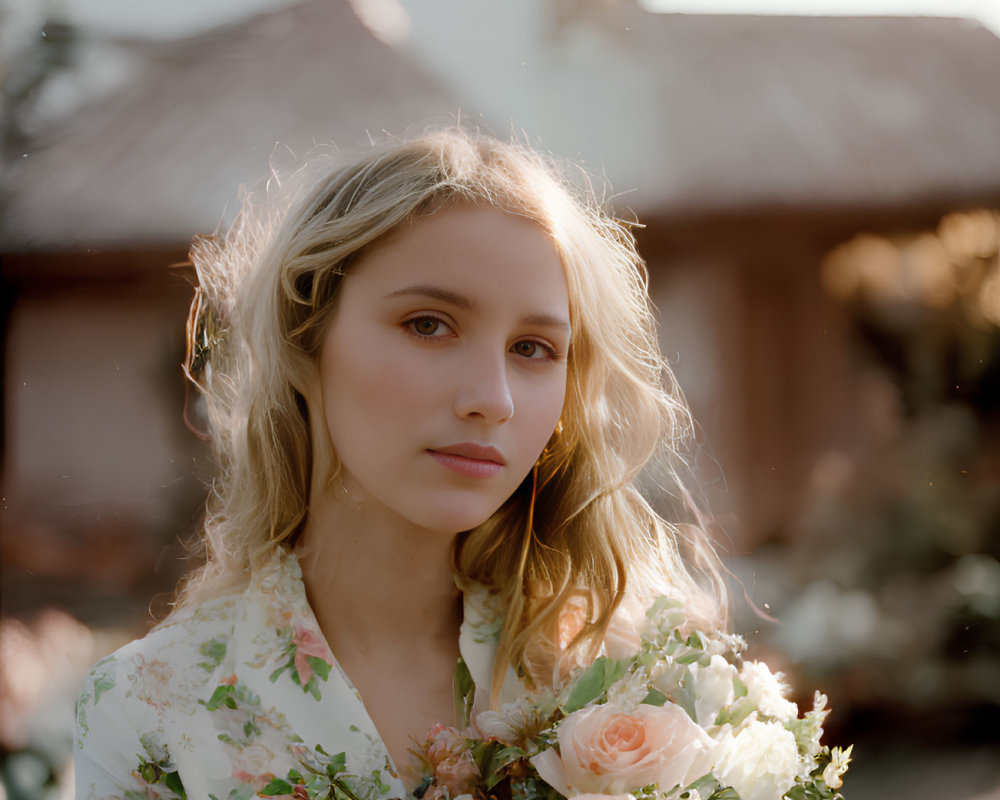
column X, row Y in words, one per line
column 308, row 642
column 604, row 750
column 451, row 763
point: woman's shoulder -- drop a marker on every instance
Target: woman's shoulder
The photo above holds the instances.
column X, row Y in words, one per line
column 164, row 666
column 152, row 709
column 167, row 667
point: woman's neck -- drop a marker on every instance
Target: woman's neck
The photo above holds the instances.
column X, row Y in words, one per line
column 383, row 594
column 377, row 583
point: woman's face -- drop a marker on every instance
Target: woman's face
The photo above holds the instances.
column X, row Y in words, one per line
column 443, row 369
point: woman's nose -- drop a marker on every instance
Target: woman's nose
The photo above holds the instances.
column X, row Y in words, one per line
column 484, row 390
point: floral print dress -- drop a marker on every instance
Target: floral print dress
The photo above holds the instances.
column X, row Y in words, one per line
column 229, row 702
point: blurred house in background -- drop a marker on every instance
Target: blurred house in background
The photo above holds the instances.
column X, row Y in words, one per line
column 98, row 213
column 820, row 204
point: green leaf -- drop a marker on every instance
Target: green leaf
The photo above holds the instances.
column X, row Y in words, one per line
column 276, row 787
column 655, row 698
column 594, row 682
column 695, row 657
column 736, row 713
column 338, row 764
column 380, row 786
column 222, row 696
column 277, row 673
column 684, row 696
column 661, row 604
column 294, row 775
column 214, row 651
column 646, row 658
column 705, row 785
column 172, row 780
column 101, row 685
column 494, row 762
column 319, row 666
column 464, row 692
column 739, row 688
column 529, row 787
column 725, row 793
column 817, row 790
column 342, row 787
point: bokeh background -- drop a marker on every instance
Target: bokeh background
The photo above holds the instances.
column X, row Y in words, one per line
column 821, row 202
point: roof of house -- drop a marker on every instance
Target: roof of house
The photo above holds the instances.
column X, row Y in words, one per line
column 819, row 112
column 682, row 113
column 161, row 159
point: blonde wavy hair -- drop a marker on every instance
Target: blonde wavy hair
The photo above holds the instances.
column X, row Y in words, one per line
column 578, row 526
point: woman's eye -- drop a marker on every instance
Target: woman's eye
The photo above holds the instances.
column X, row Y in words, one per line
column 428, row 327
column 531, row 349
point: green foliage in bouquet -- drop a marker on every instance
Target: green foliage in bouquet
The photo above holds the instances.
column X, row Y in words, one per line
column 682, row 718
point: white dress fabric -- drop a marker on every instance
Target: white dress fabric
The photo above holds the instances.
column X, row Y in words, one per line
column 219, row 704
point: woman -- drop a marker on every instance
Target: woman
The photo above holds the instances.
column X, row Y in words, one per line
column 432, row 381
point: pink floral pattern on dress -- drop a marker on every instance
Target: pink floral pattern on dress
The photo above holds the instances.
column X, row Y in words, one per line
column 308, row 643
column 215, row 705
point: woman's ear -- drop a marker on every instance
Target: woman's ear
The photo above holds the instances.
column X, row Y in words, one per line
column 307, row 384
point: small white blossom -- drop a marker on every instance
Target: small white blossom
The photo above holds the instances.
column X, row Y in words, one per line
column 834, row 771
column 767, row 691
column 495, row 725
column 630, row 691
column 517, row 721
column 725, row 643
column 810, row 730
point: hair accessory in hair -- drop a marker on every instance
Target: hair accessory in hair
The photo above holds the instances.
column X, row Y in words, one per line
column 204, row 334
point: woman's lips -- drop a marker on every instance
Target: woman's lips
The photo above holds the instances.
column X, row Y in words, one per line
column 470, row 459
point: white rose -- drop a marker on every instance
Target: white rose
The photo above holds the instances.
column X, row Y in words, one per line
column 714, row 685
column 760, row 762
column 767, row 690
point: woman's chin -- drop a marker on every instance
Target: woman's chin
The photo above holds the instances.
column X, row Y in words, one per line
column 450, row 520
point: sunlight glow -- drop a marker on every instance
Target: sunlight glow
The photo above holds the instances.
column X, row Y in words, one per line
column 985, row 11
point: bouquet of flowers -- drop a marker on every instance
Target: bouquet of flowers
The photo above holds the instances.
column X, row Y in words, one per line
column 683, row 718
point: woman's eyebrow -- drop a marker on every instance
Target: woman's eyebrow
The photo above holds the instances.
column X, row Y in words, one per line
column 546, row 320
column 467, row 304
column 448, row 296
